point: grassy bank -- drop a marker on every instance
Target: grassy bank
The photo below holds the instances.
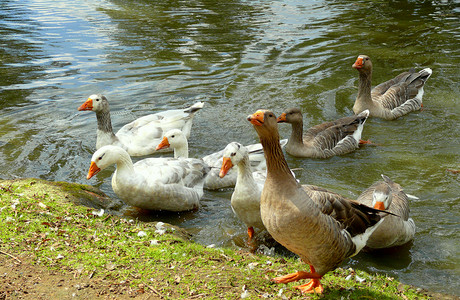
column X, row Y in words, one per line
column 42, row 225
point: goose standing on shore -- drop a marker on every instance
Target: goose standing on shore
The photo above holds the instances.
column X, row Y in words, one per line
column 323, row 233
column 141, row 136
column 325, row 140
column 393, row 98
column 397, row 229
column 245, row 200
column 153, row 183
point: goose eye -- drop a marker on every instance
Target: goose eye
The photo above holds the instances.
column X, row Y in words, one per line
column 233, row 154
column 172, row 136
column 100, row 157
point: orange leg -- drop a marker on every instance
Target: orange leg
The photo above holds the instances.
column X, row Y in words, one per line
column 250, row 233
column 313, row 286
column 252, row 245
column 297, row 276
column 362, row 142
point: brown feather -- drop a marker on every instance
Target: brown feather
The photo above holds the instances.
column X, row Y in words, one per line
column 322, row 140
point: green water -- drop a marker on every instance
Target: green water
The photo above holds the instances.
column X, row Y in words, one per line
column 239, row 56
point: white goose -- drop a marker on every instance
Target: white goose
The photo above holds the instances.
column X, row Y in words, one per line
column 245, row 199
column 176, row 140
column 141, row 136
column 397, row 229
column 153, row 183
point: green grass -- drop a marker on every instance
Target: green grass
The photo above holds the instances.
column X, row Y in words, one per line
column 40, row 221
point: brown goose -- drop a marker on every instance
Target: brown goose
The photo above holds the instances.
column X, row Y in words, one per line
column 323, row 233
column 393, row 98
column 245, row 199
column 324, row 140
column 396, row 229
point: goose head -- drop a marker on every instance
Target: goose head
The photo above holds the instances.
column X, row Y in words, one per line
column 382, row 196
column 363, row 64
column 265, row 122
column 105, row 157
column 96, row 103
column 291, row 115
column 173, row 138
column 233, row 154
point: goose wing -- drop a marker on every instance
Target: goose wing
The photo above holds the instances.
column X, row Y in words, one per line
column 354, row 217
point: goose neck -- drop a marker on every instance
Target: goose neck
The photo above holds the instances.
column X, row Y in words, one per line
column 364, row 87
column 181, row 151
column 124, row 164
column 297, row 132
column 277, row 167
column 104, row 123
column 244, row 169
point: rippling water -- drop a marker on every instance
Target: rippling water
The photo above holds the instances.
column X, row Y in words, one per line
column 239, row 56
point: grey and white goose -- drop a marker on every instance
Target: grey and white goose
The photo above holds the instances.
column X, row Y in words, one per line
column 393, row 98
column 325, row 140
column 397, row 229
column 141, row 136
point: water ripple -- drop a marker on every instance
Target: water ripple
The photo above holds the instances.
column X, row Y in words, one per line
column 240, row 56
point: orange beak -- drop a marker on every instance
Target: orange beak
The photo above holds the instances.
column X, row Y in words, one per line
column 256, row 118
column 163, row 144
column 379, row 205
column 88, row 105
column 281, row 118
column 358, row 63
column 226, row 166
column 93, row 170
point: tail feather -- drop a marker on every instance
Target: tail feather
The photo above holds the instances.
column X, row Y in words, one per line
column 412, row 197
column 422, row 76
column 362, row 119
column 195, row 107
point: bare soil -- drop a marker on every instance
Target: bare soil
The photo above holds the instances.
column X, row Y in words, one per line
column 21, row 279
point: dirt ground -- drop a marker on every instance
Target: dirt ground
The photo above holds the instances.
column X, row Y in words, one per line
column 20, row 279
